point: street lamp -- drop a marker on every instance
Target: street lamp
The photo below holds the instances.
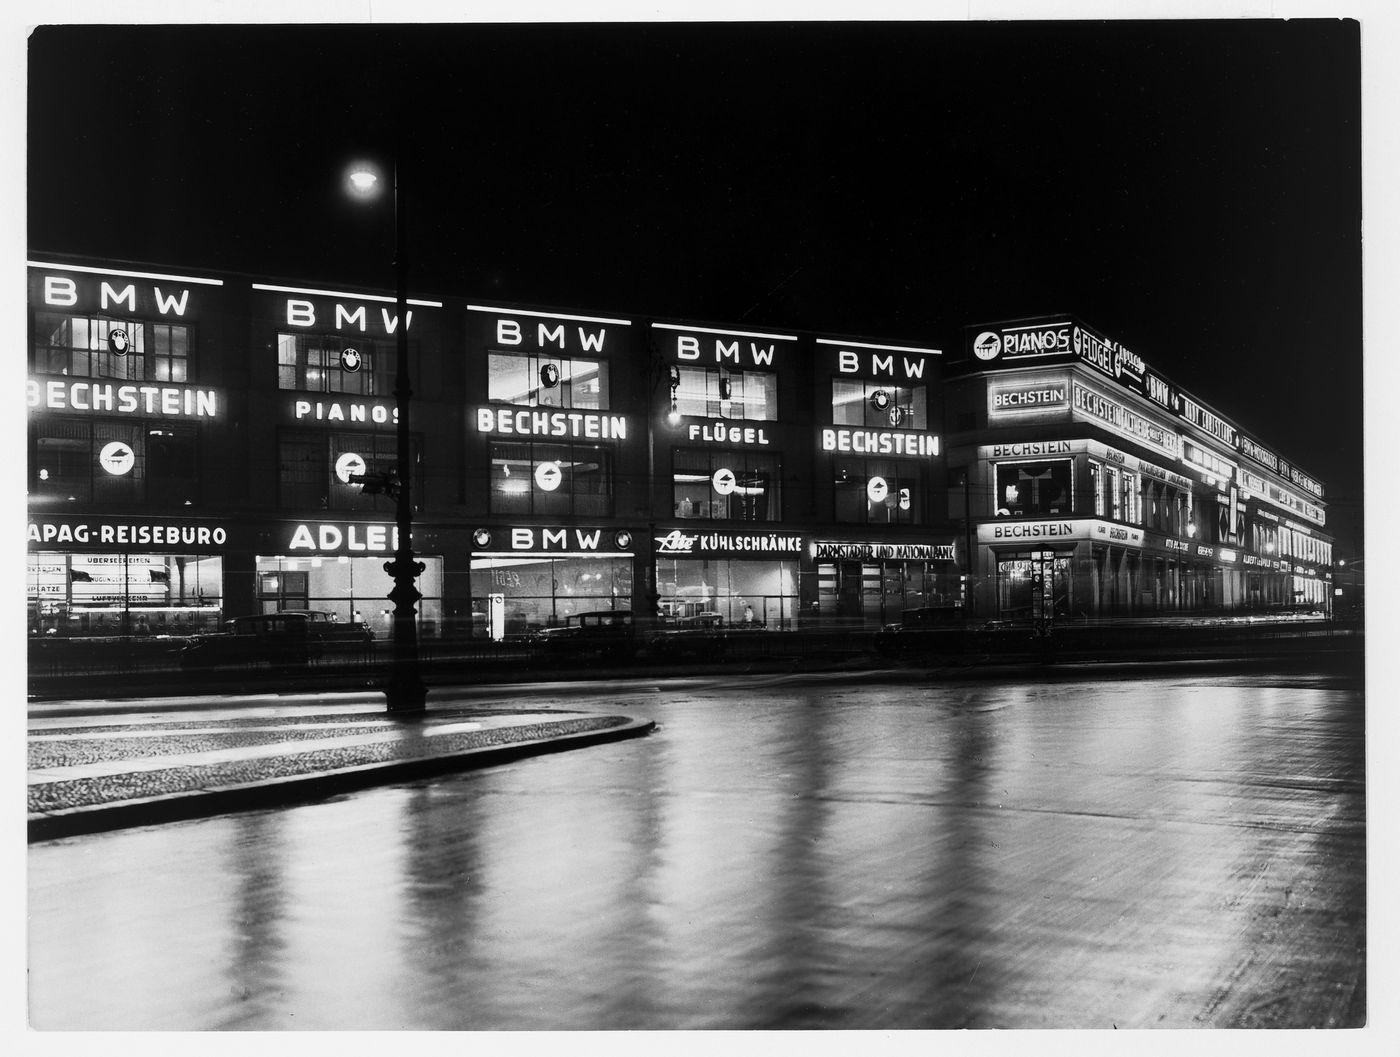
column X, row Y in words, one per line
column 404, row 691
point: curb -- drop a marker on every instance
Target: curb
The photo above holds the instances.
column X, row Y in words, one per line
column 295, row 789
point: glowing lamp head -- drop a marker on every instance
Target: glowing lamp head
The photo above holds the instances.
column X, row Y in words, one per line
column 364, row 181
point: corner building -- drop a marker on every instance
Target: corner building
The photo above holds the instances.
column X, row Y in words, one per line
column 1094, row 487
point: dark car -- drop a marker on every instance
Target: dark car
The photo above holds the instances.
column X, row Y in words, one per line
column 699, row 635
column 923, row 632
column 287, row 637
column 608, row 634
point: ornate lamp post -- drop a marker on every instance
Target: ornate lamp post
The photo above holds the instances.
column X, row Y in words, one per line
column 404, row 691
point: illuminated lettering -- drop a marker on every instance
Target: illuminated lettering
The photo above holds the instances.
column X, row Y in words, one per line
column 344, row 317
column 508, row 332
column 126, row 297
column 300, row 313
column 60, row 291
column 164, row 305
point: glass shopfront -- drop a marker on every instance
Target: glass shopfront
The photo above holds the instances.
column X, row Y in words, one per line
column 516, row 594
column 123, row 594
column 872, row 584
column 350, row 588
column 741, row 591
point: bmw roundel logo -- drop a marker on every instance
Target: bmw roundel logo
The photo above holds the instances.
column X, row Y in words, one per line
column 350, row 360
column 119, row 341
column 623, row 539
column 481, row 538
column 987, row 346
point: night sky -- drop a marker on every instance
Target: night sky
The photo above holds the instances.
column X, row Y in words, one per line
column 1189, row 188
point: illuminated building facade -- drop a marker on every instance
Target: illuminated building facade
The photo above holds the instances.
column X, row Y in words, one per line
column 194, row 440
column 1093, row 486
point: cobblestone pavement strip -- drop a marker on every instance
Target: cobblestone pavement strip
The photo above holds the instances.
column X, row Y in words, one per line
column 89, row 767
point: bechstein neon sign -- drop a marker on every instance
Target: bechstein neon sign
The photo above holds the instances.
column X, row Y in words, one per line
column 879, row 442
column 157, row 401
column 572, row 425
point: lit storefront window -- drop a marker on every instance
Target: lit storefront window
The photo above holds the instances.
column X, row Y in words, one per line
column 539, row 592
column 739, row 591
column 100, row 347
column 551, row 479
column 542, row 380
column 350, row 588
column 121, row 594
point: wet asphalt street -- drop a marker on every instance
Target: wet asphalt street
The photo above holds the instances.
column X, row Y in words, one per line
column 1176, row 852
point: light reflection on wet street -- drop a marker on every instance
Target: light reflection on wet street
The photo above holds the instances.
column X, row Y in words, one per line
column 779, row 854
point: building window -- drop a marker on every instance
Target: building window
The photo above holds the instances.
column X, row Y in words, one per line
column 1115, row 496
column 111, row 460
column 565, row 479
column 313, row 467
column 536, row 380
column 315, row 363
column 1096, row 483
column 98, row 347
column 1034, row 488
column 716, row 392
column 880, row 491
column 874, row 404
column 726, row 485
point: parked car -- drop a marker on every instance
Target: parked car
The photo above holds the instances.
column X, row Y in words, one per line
column 608, row 634
column 700, row 635
column 925, row 631
column 287, row 637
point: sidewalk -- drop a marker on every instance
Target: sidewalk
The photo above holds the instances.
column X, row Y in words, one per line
column 93, row 770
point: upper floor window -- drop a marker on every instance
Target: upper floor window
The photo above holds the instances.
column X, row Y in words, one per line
column 716, row 392
column 535, row 380
column 313, row 470
column 880, row 491
column 103, row 347
column 321, row 363
column 110, row 460
column 860, row 403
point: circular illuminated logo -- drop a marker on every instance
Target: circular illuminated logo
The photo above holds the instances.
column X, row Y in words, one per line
column 117, row 458
column 549, row 375
column 347, row 464
column 350, row 360
column 987, row 346
column 877, row 488
column 548, row 475
column 623, row 539
column 119, row 341
column 481, row 538
column 723, row 481
column 880, row 400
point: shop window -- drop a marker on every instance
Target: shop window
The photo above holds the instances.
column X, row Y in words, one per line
column 716, row 392
column 101, row 347
column 566, row 479
column 726, row 485
column 314, row 363
column 123, row 594
column 880, row 491
column 113, row 460
column 350, row 589
column 312, row 468
column 536, row 592
column 878, row 404
column 535, row 380
column 739, row 592
column 1034, row 488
